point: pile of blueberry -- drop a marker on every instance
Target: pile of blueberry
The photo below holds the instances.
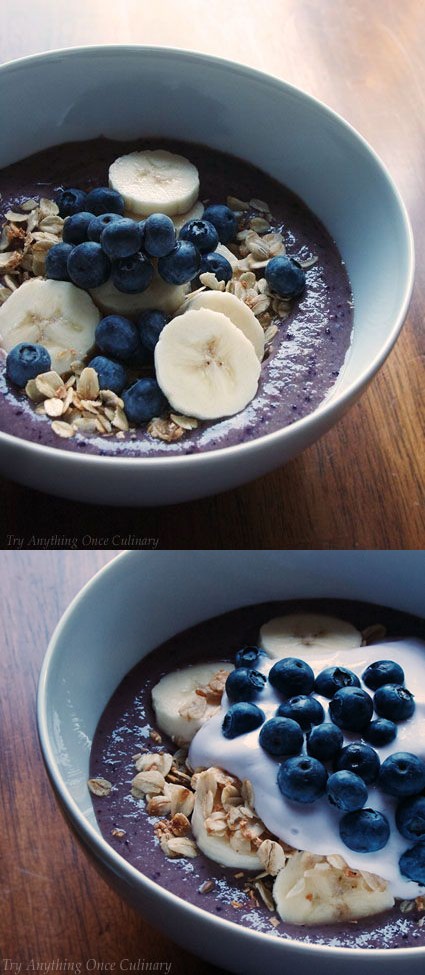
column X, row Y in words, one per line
column 319, row 764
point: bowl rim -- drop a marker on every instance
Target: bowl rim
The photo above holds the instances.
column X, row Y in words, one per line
column 329, row 406
column 117, row 863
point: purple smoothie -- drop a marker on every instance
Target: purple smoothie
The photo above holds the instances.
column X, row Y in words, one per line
column 306, row 355
column 124, row 729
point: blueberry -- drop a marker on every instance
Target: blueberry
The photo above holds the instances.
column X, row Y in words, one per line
column 202, row 233
column 88, row 266
column 412, row 863
column 111, row 375
column 402, row 774
column 394, row 702
column 104, row 200
column 244, row 684
column 121, row 238
column 70, row 201
column 181, row 264
column 380, row 732
column 57, row 262
column 330, row 680
column 143, row 401
column 351, row 708
column 26, row 361
column 302, row 779
column 98, row 224
column 281, row 736
column 346, row 791
column 117, row 337
column 224, row 221
column 410, row 818
column 285, row 277
column 248, row 656
column 159, row 235
column 361, row 759
column 303, row 708
column 383, row 672
column 364, row 830
column 241, row 718
column 132, row 274
column 325, row 742
column 75, row 228
column 216, row 264
column 150, row 325
column 291, row 676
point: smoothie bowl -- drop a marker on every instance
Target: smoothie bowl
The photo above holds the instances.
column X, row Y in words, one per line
column 196, row 817
column 184, row 305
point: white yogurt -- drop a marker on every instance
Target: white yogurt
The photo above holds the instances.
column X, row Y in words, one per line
column 314, row 827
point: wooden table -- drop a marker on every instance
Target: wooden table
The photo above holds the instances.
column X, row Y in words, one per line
column 362, row 485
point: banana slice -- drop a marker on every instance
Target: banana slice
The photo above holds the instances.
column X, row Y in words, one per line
column 155, row 181
column 288, row 634
column 237, row 311
column 166, row 297
column 322, row 890
column 205, row 366
column 220, row 823
column 55, row 314
column 218, row 848
column 185, row 699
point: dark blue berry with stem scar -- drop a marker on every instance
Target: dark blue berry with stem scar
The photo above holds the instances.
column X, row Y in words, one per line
column 241, row 718
column 351, row 708
column 132, row 274
column 285, row 277
column 364, row 830
column 248, row 656
column 380, row 732
column 75, row 228
column 281, row 736
column 304, row 709
column 104, row 200
column 302, row 779
column 143, row 401
column 121, row 238
column 159, row 235
column 218, row 265
column 202, row 233
column 26, row 361
column 394, row 702
column 325, row 742
column 181, row 264
column 291, row 676
column 224, row 221
column 361, row 759
column 150, row 325
column 402, row 774
column 412, row 863
column 244, row 684
column 330, row 680
column 383, row 672
column 346, row 791
column 88, row 266
column 111, row 375
column 70, row 201
column 56, row 266
column 410, row 818
column 117, row 337
column 98, row 224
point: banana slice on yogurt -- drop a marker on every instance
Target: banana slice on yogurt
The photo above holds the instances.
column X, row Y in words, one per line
column 155, row 181
column 297, row 632
column 234, row 309
column 185, row 699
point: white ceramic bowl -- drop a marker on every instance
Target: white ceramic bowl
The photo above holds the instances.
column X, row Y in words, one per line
column 118, row 618
column 126, row 92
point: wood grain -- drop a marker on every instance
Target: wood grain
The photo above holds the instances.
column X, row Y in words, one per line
column 362, row 486
column 54, row 908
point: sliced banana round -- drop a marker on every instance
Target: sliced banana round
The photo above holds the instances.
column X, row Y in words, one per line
column 218, row 848
column 155, row 181
column 205, row 366
column 310, row 890
column 237, row 311
column 285, row 635
column 166, row 297
column 179, row 219
column 54, row 314
column 179, row 709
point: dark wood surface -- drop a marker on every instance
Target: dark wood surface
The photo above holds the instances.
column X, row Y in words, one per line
column 362, row 485
column 53, row 905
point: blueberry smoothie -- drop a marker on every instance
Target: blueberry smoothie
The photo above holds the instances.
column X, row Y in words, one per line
column 305, row 719
column 251, row 271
